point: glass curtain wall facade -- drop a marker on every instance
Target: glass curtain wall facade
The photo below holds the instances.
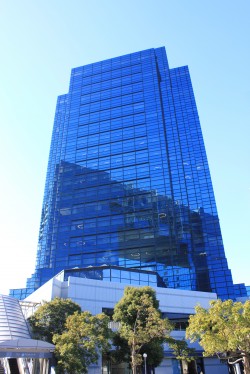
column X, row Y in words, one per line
column 128, row 182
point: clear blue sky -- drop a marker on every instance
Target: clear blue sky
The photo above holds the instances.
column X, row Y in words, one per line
column 42, row 40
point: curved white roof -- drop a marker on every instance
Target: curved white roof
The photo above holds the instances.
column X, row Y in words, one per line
column 14, row 332
column 26, row 345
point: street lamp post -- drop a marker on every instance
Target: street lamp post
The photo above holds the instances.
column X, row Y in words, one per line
column 145, row 361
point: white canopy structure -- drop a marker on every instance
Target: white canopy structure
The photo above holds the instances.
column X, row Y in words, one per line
column 15, row 339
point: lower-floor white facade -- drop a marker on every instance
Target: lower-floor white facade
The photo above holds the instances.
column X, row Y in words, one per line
column 96, row 295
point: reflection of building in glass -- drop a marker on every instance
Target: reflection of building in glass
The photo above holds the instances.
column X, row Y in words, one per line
column 128, row 182
column 116, row 274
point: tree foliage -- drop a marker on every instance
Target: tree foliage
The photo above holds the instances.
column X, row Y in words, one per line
column 78, row 337
column 79, row 345
column 223, row 330
column 155, row 352
column 180, row 349
column 50, row 318
column 140, row 322
column 121, row 351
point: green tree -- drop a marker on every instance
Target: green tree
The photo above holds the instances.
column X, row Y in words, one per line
column 140, row 321
column 223, row 330
column 50, row 318
column 79, row 345
column 121, row 353
column 155, row 353
column 182, row 352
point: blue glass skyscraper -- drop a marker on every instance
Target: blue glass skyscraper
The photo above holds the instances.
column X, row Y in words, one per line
column 128, row 182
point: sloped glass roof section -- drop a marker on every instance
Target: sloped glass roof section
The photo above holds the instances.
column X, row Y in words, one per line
column 15, row 339
column 12, row 322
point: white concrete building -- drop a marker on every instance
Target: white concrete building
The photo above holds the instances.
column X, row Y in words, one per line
column 97, row 295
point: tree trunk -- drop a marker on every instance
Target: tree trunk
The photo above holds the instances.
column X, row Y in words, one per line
column 192, row 367
column 133, row 360
column 184, row 366
column 246, row 364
